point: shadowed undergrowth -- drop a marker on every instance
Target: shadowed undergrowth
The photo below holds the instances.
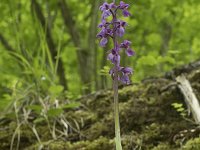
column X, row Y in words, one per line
column 148, row 121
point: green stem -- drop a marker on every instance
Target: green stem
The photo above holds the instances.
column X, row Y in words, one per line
column 116, row 112
column 115, row 88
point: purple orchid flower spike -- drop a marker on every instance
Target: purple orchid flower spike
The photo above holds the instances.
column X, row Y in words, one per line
column 115, row 29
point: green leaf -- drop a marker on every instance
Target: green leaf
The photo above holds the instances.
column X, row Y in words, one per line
column 105, row 71
column 174, row 51
column 39, row 120
column 5, row 101
column 54, row 112
column 148, row 60
column 56, row 89
column 71, row 105
column 180, row 109
column 177, row 105
column 11, row 115
column 36, row 108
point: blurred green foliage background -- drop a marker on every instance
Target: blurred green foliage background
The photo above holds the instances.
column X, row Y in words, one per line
column 49, row 47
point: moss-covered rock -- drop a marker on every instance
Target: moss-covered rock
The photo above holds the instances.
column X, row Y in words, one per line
column 101, row 143
column 192, row 144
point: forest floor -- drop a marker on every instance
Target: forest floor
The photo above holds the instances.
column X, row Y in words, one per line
column 153, row 116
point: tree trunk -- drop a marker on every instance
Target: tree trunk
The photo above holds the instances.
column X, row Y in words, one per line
column 50, row 43
column 82, row 53
column 166, row 35
column 92, row 47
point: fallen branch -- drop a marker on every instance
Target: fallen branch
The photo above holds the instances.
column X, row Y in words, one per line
column 190, row 98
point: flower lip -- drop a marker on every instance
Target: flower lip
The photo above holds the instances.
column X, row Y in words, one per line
column 104, row 24
column 105, row 32
column 113, row 51
column 130, row 52
column 104, row 7
column 105, row 14
column 114, row 58
column 123, row 23
column 120, row 31
column 125, row 44
column 112, row 5
column 126, row 13
column 125, row 79
column 123, row 5
column 126, row 70
column 103, row 42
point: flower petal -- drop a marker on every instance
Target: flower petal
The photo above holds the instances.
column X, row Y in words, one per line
column 112, row 5
column 123, row 23
column 103, row 42
column 127, row 70
column 130, row 52
column 126, row 13
column 120, row 31
column 110, row 56
column 123, row 5
column 125, row 44
column 125, row 79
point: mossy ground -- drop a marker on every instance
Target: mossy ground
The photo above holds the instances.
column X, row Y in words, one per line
column 148, row 121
